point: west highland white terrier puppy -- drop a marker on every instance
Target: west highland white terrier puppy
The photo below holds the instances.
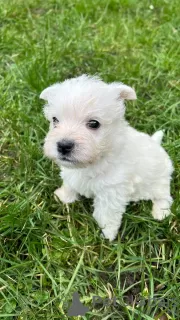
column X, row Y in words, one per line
column 100, row 154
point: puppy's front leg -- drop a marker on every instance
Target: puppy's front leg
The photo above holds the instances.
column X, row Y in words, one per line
column 66, row 194
column 108, row 216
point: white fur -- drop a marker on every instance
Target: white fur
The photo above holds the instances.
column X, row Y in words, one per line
column 114, row 164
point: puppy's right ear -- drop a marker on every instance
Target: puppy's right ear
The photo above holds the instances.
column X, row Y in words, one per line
column 49, row 92
column 44, row 94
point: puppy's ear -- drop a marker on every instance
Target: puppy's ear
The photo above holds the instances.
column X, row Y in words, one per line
column 127, row 93
column 44, row 94
column 49, row 92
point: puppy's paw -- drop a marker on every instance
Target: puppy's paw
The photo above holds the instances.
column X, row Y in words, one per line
column 161, row 209
column 160, row 213
column 65, row 195
column 109, row 233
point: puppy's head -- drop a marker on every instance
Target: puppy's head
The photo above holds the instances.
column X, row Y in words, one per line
column 86, row 116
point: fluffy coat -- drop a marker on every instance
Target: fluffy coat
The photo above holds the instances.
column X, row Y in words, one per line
column 114, row 163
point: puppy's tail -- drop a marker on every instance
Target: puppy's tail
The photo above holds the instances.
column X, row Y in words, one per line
column 157, row 136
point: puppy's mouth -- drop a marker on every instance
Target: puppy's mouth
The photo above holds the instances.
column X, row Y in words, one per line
column 65, row 159
column 70, row 162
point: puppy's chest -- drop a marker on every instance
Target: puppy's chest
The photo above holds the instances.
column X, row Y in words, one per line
column 81, row 182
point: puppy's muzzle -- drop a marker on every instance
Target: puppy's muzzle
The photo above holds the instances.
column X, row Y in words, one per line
column 65, row 147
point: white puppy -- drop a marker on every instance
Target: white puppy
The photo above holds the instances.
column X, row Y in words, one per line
column 100, row 155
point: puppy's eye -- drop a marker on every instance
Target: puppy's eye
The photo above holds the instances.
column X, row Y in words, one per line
column 55, row 120
column 93, row 124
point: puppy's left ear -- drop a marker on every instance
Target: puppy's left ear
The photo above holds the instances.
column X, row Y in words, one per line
column 126, row 92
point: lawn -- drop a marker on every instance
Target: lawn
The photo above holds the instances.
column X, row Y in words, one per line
column 49, row 251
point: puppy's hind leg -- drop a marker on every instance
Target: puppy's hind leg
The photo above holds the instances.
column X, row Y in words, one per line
column 66, row 194
column 162, row 201
column 161, row 209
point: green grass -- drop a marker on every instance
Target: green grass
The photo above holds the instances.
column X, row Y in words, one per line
column 46, row 251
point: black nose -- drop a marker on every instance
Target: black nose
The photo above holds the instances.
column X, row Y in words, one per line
column 65, row 146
